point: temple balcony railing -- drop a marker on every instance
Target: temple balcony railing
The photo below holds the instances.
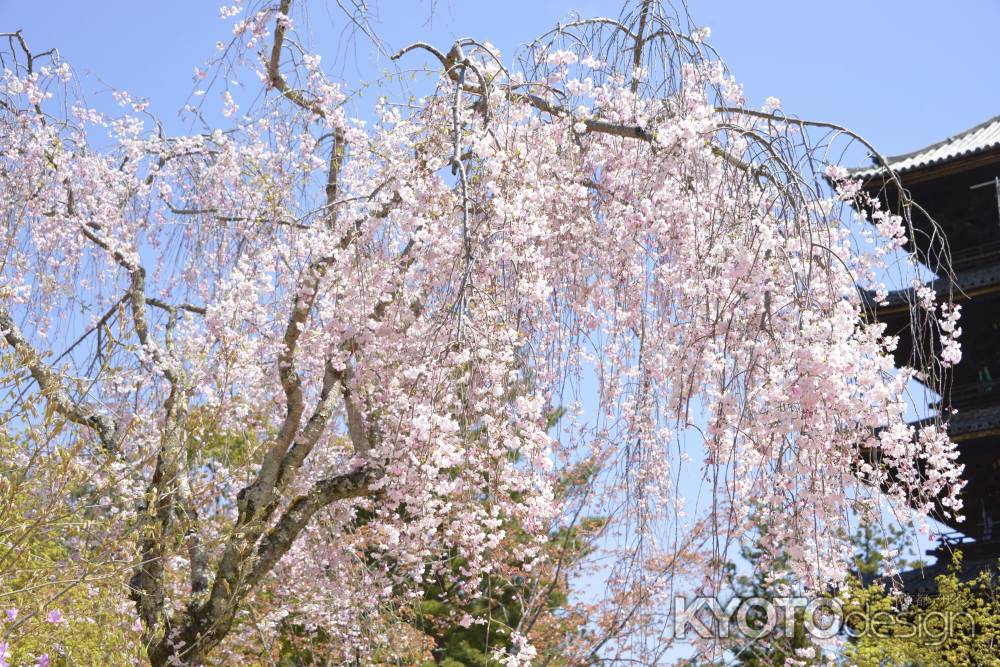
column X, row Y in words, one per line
column 982, row 394
column 975, row 256
column 970, row 423
column 967, row 283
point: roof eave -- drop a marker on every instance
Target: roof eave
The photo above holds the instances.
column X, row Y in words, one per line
column 873, row 177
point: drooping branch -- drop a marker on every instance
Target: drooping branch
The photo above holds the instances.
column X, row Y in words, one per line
column 274, row 75
column 79, row 412
column 593, row 125
column 163, row 305
column 639, row 43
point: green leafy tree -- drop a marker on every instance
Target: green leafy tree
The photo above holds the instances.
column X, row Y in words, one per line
column 61, row 599
column 534, row 605
column 958, row 626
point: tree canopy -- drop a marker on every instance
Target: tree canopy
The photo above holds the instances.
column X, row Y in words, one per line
column 310, row 362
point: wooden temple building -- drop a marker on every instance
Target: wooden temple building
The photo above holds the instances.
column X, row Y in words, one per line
column 957, row 183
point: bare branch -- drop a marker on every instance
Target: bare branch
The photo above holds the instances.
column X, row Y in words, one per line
column 78, row 412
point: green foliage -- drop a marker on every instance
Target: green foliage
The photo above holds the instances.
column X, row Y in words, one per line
column 499, row 607
column 50, row 539
column 466, row 629
column 959, row 626
column 61, row 549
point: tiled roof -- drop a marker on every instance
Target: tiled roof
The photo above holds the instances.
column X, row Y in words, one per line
column 980, row 138
column 963, row 283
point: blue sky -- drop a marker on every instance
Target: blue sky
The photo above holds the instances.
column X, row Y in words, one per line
column 903, row 73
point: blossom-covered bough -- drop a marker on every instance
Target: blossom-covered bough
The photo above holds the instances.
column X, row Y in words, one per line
column 384, row 317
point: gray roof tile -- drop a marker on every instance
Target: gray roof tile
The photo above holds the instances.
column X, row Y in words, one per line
column 980, row 138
